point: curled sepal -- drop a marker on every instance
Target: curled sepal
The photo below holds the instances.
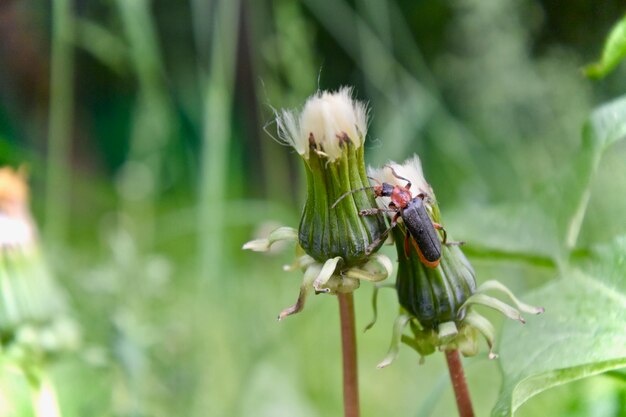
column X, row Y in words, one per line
column 321, row 282
column 375, row 304
column 485, row 328
column 378, row 268
column 495, row 304
column 264, row 245
column 396, row 338
column 331, row 277
column 497, row 286
column 465, row 342
column 447, row 331
column 301, row 262
column 310, row 275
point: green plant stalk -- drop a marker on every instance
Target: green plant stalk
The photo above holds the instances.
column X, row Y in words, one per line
column 152, row 124
column 349, row 355
column 218, row 89
column 576, row 221
column 457, row 376
column 60, row 121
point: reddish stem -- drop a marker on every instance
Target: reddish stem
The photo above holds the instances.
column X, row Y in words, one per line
column 463, row 401
column 348, row 347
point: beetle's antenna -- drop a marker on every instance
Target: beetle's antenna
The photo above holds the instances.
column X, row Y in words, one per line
column 395, row 174
column 351, row 192
column 375, row 180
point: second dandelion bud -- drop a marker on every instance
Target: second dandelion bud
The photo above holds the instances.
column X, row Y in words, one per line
column 436, row 285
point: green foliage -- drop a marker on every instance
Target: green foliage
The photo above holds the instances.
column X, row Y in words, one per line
column 178, row 321
column 580, row 335
column 606, row 126
column 613, row 53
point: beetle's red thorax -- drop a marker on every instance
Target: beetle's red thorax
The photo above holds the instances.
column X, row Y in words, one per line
column 400, row 197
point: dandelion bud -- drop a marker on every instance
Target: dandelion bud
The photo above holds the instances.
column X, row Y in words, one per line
column 329, row 135
column 334, row 240
column 437, row 297
column 433, row 295
column 34, row 321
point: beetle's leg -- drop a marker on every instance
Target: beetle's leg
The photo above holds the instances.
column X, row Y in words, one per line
column 393, row 171
column 445, row 236
column 383, row 236
column 376, row 189
column 407, row 243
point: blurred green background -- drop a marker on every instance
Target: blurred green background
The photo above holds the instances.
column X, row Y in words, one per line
column 146, row 128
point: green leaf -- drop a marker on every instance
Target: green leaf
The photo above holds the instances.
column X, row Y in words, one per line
column 514, row 231
column 614, row 51
column 581, row 333
column 606, row 125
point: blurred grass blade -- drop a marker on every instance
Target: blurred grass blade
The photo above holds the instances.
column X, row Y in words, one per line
column 217, row 91
column 613, row 53
column 411, row 103
column 102, row 44
column 60, row 121
column 153, row 123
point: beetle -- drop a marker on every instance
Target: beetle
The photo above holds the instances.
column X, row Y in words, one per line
column 421, row 231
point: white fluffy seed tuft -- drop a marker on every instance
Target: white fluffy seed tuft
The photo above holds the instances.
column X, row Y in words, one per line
column 411, row 169
column 327, row 120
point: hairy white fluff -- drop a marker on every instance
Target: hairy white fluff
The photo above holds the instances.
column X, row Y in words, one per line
column 411, row 169
column 325, row 118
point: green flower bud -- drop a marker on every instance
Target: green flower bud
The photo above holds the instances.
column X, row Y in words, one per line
column 334, row 243
column 329, row 135
column 433, row 295
column 436, row 302
column 34, row 319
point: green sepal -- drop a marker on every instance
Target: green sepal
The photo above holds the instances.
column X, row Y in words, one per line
column 433, row 295
column 327, row 232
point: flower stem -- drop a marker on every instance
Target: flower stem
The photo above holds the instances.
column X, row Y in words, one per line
column 348, row 347
column 463, row 401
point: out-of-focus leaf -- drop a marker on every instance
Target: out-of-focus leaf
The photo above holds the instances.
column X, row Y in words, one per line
column 506, row 231
column 606, row 125
column 582, row 333
column 614, row 51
